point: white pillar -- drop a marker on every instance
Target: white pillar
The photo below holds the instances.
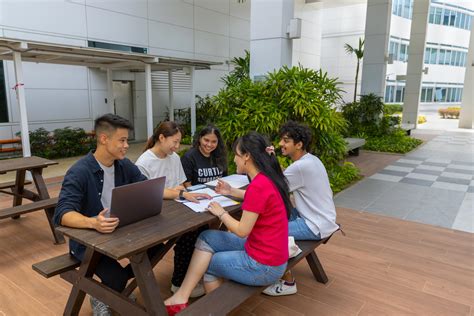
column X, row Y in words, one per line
column 466, row 117
column 377, row 35
column 419, row 26
column 193, row 103
column 20, row 95
column 270, row 47
column 110, row 91
column 149, row 104
column 170, row 94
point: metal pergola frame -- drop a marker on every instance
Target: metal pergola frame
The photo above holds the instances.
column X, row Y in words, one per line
column 108, row 60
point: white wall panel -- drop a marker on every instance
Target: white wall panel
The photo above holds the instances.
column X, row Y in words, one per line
column 240, row 10
column 215, row 5
column 47, row 104
column 238, row 47
column 54, row 16
column 54, row 39
column 211, row 21
column 136, row 7
column 99, row 107
column 109, row 26
column 167, row 36
column 211, row 44
column 175, row 12
column 239, row 28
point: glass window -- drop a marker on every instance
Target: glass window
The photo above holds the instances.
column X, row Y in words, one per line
column 407, row 9
column 400, row 8
column 463, row 60
column 449, row 95
column 429, row 94
column 447, row 60
column 441, row 56
column 438, row 13
column 460, row 94
column 387, row 91
column 427, row 55
column 462, row 21
column 399, row 93
column 453, row 18
column 432, row 13
column 423, row 95
column 403, row 52
column 434, row 52
column 458, row 19
column 3, row 96
column 453, row 58
column 446, row 15
column 396, row 55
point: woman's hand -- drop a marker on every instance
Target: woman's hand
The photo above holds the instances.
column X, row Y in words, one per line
column 215, row 208
column 195, row 197
column 223, row 187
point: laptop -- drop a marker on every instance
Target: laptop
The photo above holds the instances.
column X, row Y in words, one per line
column 136, row 201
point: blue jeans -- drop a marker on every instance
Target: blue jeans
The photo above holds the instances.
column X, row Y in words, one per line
column 231, row 261
column 298, row 229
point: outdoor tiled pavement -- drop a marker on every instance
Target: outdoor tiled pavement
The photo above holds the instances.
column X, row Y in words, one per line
column 433, row 184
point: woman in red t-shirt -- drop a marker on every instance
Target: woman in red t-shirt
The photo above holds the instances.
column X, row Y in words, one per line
column 255, row 250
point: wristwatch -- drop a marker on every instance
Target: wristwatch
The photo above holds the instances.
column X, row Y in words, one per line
column 181, row 195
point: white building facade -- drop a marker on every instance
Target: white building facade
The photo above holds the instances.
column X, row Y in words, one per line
column 211, row 30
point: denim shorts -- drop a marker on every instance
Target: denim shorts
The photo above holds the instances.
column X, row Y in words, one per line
column 298, row 229
column 231, row 261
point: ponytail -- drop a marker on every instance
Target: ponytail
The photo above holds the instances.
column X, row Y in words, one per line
column 167, row 129
column 263, row 155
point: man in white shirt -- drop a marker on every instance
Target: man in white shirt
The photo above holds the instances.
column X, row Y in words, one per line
column 314, row 217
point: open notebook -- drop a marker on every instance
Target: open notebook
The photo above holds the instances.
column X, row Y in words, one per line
column 202, row 205
column 235, row 181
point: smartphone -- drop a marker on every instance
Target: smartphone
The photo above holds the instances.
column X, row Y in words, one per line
column 196, row 187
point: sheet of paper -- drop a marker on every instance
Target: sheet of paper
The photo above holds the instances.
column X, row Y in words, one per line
column 202, row 205
column 235, row 181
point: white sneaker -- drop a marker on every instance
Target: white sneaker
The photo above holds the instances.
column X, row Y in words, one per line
column 281, row 287
column 99, row 308
column 198, row 291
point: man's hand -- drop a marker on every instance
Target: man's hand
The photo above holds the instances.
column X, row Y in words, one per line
column 194, row 197
column 223, row 187
column 105, row 224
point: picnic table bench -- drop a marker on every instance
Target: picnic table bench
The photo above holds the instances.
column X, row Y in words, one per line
column 40, row 199
column 230, row 295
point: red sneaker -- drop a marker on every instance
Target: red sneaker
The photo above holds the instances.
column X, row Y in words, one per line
column 175, row 308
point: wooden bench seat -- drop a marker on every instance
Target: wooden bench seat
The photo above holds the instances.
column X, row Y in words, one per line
column 11, row 184
column 56, row 265
column 27, row 208
column 230, row 295
column 353, row 145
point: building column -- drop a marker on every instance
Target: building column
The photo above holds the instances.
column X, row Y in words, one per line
column 466, row 117
column 170, row 95
column 377, row 36
column 20, row 95
column 110, row 91
column 270, row 47
column 149, row 103
column 193, row 101
column 414, row 77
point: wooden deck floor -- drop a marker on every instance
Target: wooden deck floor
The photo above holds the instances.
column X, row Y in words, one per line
column 383, row 266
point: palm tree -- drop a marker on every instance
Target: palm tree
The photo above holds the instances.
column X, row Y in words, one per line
column 359, row 53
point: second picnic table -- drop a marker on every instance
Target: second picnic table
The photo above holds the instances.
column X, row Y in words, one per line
column 41, row 199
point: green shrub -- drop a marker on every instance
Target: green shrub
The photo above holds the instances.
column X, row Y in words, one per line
column 61, row 143
column 340, row 176
column 397, row 142
column 390, row 109
column 296, row 93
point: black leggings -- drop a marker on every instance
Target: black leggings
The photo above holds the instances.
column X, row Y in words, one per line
column 183, row 252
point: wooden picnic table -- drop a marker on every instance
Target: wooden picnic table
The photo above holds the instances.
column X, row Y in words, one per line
column 132, row 242
column 40, row 198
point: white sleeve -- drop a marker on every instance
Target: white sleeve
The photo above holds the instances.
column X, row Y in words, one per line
column 181, row 175
column 294, row 177
column 143, row 170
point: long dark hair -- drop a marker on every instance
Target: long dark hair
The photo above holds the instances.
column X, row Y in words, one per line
column 255, row 145
column 218, row 155
column 167, row 129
